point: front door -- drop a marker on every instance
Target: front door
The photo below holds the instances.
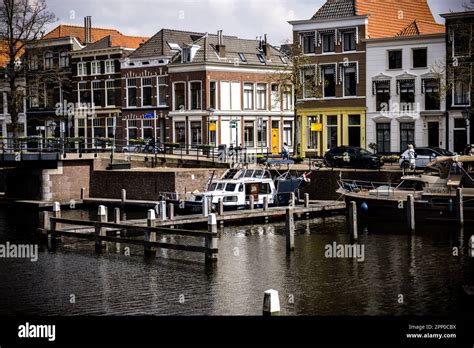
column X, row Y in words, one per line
column 433, row 134
column 460, row 140
column 275, row 141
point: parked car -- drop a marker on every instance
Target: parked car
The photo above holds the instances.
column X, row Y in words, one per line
column 351, row 156
column 424, row 155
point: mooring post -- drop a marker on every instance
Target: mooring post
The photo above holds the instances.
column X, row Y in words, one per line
column 306, row 200
column 292, row 199
column 205, row 207
column 123, row 195
column 271, row 303
column 117, row 215
column 265, row 203
column 290, row 230
column 221, row 207
column 46, row 221
column 353, row 226
column 460, row 199
column 83, row 193
column 171, row 211
column 163, row 210
column 251, row 202
column 57, row 213
column 150, row 236
column 100, row 231
column 411, row 213
column 211, row 241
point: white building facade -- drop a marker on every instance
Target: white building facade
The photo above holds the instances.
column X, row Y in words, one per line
column 405, row 103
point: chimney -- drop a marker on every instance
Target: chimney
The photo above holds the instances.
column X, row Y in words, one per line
column 87, row 30
column 265, row 46
column 220, row 47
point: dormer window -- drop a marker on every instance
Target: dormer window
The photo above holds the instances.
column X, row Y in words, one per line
column 186, row 55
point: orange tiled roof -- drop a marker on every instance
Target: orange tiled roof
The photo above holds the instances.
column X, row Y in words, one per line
column 387, row 18
column 128, row 41
column 4, row 58
column 64, row 30
column 422, row 28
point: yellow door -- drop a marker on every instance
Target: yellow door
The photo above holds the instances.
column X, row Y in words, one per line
column 275, row 141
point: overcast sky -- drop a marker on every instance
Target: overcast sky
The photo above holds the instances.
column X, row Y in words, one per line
column 242, row 18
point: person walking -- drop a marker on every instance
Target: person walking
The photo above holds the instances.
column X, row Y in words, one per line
column 286, row 152
column 412, row 157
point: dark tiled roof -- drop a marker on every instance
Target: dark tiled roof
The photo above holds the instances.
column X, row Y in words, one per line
column 336, row 9
column 157, row 45
column 233, row 48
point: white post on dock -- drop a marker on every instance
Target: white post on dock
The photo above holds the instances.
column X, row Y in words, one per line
column 290, row 230
column 265, row 203
column 150, row 236
column 471, row 246
column 271, row 303
column 292, row 199
column 411, row 213
column 353, row 226
column 306, row 200
column 251, row 202
column 117, row 215
column 211, row 241
column 221, row 207
column 205, row 207
column 100, row 231
column 163, row 210
column 83, row 193
column 123, row 195
column 171, row 211
column 460, row 210
column 57, row 213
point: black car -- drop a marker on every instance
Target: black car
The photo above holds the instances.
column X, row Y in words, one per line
column 353, row 157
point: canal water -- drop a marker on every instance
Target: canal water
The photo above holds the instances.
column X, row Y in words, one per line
column 418, row 270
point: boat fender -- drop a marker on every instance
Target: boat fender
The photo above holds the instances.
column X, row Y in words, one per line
column 364, row 207
column 450, row 205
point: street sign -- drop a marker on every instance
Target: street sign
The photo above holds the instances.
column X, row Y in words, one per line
column 233, row 124
column 149, row 116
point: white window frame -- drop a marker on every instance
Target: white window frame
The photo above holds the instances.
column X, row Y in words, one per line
column 174, row 94
column 110, row 66
column 253, row 96
column 142, row 84
column 79, row 90
column 190, row 96
column 82, row 69
column 46, row 54
column 343, row 77
column 126, row 90
column 63, row 59
column 95, row 68
column 158, row 84
column 257, row 99
column 303, row 80
column 107, row 88
column 216, row 101
column 94, row 82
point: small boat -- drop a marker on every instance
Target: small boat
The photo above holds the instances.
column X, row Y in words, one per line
column 236, row 186
column 434, row 192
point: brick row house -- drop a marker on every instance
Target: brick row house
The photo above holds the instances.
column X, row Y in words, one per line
column 97, row 87
column 460, row 75
column 229, row 91
column 145, row 85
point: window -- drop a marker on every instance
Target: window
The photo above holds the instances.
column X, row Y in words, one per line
column 261, row 58
column 313, row 142
column 131, row 92
column 95, row 68
column 84, row 93
column 287, row 98
column 382, row 91
column 186, row 55
column 432, row 97
column 349, row 41
column 461, row 90
column 261, row 96
column 196, row 133
column 331, row 132
column 308, row 81
column 81, row 69
column 407, row 95
column 395, row 59
column 97, row 93
column 249, row 133
column 350, row 81
column 275, row 97
column 2, row 102
column 407, row 135
column 329, row 81
column 179, row 96
column 242, row 57
column 420, row 56
column 162, row 90
column 328, row 42
column 248, row 96
column 109, row 66
column 110, row 92
column 288, row 133
column 180, row 132
column 63, row 59
column 307, row 40
column 461, row 40
column 34, row 63
column 34, row 96
column 146, row 91
column 132, row 129
column 195, row 95
column 48, row 60
column 213, row 95
column 262, row 135
column 49, row 95
column 383, row 137
column 99, row 127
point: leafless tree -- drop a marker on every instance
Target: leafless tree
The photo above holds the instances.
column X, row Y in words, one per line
column 22, row 22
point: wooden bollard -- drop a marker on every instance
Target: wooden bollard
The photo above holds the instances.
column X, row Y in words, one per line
column 290, row 230
column 117, row 215
column 221, row 207
column 100, row 231
column 271, row 303
column 411, row 213
column 265, row 203
column 171, row 211
column 460, row 210
column 205, row 207
column 46, row 221
column 57, row 213
column 353, row 226
column 211, row 241
column 123, row 195
column 251, row 202
column 150, row 236
column 306, row 200
column 292, row 199
column 83, row 193
column 162, row 205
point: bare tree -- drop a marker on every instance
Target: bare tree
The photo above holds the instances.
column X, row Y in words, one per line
column 22, row 22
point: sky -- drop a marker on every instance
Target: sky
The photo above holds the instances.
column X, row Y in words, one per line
column 243, row 18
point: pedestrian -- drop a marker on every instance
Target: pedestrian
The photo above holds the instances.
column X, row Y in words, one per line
column 286, row 152
column 412, row 157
